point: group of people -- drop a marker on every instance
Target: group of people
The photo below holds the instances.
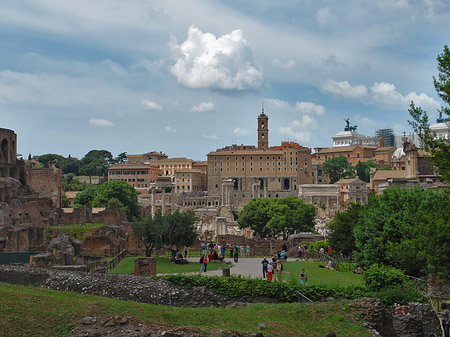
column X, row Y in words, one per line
column 221, row 250
column 268, row 269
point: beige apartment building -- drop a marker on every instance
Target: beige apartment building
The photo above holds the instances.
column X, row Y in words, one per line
column 261, row 171
column 138, row 176
column 190, row 180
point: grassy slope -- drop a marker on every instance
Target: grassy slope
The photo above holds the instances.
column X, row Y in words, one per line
column 318, row 275
column 163, row 266
column 30, row 311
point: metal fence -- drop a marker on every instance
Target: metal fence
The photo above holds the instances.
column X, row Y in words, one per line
column 116, row 259
column 22, row 257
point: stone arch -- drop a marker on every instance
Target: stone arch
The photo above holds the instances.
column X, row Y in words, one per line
column 261, row 184
column 235, row 184
column 286, row 183
column 5, row 150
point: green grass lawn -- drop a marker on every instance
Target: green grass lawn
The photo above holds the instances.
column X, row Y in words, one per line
column 318, row 275
column 164, row 266
column 79, row 232
column 32, row 311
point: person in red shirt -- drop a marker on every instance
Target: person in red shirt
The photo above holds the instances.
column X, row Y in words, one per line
column 204, row 263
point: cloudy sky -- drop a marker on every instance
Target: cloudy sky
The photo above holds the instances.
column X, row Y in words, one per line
column 188, row 77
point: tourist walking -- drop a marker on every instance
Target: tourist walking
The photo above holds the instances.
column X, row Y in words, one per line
column 269, row 272
column 204, row 262
column 248, row 251
column 264, row 263
column 231, row 252
column 279, row 270
column 185, row 251
column 236, row 254
column 303, row 277
column 445, row 319
column 222, row 251
column 204, row 247
column 242, row 251
column 299, row 252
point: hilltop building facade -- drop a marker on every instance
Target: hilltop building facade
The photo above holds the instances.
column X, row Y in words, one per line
column 242, row 172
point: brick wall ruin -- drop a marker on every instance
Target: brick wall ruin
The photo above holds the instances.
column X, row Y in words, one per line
column 47, row 183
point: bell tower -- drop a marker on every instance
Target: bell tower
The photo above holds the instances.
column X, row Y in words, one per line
column 263, row 131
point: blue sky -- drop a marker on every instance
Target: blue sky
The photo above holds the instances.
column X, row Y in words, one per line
column 188, row 77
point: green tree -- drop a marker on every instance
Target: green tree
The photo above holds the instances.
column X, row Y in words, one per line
column 121, row 157
column 68, row 165
column 342, row 228
column 438, row 148
column 150, row 232
column 337, row 168
column 96, row 162
column 125, row 194
column 48, row 159
column 363, row 170
column 178, row 229
column 406, row 229
column 175, row 229
column 86, row 196
column 277, row 217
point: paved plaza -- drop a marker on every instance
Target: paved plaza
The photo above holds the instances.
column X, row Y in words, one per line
column 248, row 267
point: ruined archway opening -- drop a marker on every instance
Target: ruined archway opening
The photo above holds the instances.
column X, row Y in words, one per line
column 286, row 184
column 4, row 149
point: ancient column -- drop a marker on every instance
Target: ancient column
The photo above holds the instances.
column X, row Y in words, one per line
column 163, row 201
column 153, row 201
column 172, row 199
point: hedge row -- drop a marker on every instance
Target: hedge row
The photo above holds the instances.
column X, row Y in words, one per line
column 236, row 286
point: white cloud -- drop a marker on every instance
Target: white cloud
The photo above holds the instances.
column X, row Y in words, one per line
column 310, row 108
column 204, row 61
column 277, row 104
column 302, row 130
column 150, row 105
column 169, row 129
column 381, row 94
column 241, row 132
column 388, row 97
column 203, row 107
column 101, row 122
column 325, row 17
column 212, row 136
column 285, row 65
column 344, row 89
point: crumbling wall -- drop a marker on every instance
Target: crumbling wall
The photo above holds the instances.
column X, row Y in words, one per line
column 83, row 215
column 125, row 287
column 47, row 183
column 381, row 320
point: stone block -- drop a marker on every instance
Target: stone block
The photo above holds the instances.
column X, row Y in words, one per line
column 145, row 266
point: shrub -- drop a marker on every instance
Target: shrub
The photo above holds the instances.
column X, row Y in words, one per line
column 236, row 286
column 398, row 294
column 317, row 244
column 379, row 276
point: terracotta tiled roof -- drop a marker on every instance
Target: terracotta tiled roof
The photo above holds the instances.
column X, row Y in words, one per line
column 255, row 152
column 386, row 174
column 132, row 167
column 171, row 160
